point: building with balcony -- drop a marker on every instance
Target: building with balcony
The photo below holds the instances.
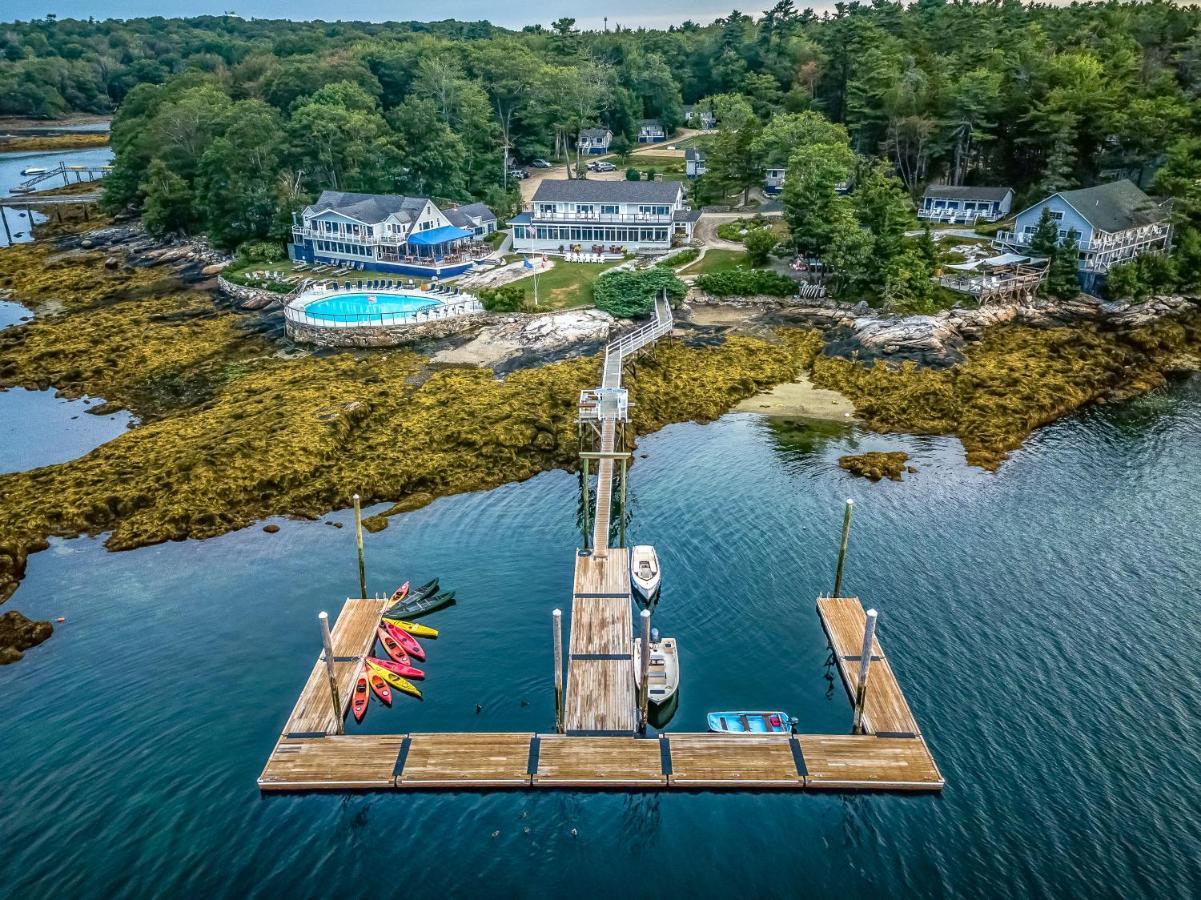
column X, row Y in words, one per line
column 694, row 163
column 1113, row 222
column 603, row 217
column 594, row 140
column 390, row 233
column 700, row 117
column 651, row 131
column 773, row 179
column 960, row 205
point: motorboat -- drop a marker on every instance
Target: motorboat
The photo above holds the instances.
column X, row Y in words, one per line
column 34, row 170
column 644, row 571
column 664, row 671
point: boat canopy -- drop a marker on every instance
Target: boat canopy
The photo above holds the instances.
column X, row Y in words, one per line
column 438, row 236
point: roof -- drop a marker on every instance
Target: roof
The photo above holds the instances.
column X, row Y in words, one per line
column 369, row 208
column 1005, row 260
column 964, row 192
column 594, row 134
column 651, row 123
column 573, row 190
column 694, row 155
column 466, row 216
column 438, row 236
column 686, row 215
column 1115, row 206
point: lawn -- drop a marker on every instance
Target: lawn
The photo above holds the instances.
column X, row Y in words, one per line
column 717, row 261
column 566, row 285
column 644, row 161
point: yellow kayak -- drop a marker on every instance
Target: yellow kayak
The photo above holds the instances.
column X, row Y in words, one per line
column 401, row 684
column 413, row 628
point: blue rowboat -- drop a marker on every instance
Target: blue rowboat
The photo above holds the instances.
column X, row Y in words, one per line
column 742, row 722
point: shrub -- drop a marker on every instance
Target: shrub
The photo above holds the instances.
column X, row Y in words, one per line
column 506, row 298
column 625, row 293
column 759, row 245
column 742, row 282
column 261, row 251
column 633, row 174
column 683, row 258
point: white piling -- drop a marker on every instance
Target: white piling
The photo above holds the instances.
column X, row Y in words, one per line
column 644, row 668
column 865, row 660
column 328, row 641
column 557, row 621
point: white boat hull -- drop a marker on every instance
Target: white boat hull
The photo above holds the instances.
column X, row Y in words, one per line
column 644, row 571
column 664, row 670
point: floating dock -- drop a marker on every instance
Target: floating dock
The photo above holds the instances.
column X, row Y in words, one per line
column 600, row 745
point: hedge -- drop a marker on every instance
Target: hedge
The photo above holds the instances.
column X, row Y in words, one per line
column 742, row 282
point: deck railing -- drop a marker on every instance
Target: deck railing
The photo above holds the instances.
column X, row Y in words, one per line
column 449, row 307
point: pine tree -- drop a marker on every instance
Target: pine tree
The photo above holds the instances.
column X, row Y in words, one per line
column 1062, row 275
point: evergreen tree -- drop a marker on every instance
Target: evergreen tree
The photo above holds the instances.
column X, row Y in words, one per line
column 1063, row 279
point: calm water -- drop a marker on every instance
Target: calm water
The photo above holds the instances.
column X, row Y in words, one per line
column 11, row 165
column 40, row 429
column 354, row 307
column 1042, row 621
column 12, row 313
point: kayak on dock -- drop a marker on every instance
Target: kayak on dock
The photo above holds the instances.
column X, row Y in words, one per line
column 402, row 669
column 644, row 571
column 391, row 647
column 405, row 640
column 742, row 722
column 396, row 681
column 379, row 687
column 664, row 673
column 413, row 608
column 358, row 702
column 413, row 628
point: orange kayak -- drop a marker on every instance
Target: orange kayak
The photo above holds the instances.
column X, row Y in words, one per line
column 400, row 593
column 391, row 647
column 358, row 702
column 405, row 640
column 380, row 687
column 400, row 669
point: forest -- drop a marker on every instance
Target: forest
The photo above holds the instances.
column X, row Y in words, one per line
column 225, row 125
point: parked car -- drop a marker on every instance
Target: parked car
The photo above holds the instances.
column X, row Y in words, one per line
column 603, row 166
column 518, row 173
column 540, row 164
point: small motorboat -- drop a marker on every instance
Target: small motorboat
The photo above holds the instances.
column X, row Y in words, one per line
column 664, row 669
column 741, row 722
column 379, row 687
column 412, row 608
column 644, row 571
column 404, row 670
column 391, row 647
column 358, row 702
column 396, row 681
column 400, row 593
column 405, row 640
column 413, row 628
column 34, row 170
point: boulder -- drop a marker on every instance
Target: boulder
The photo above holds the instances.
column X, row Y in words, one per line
column 211, row 270
column 18, row 634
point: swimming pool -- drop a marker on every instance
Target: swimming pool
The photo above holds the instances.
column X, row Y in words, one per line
column 368, row 307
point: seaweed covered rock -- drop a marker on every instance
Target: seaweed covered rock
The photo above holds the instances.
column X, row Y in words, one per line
column 18, row 634
column 876, row 464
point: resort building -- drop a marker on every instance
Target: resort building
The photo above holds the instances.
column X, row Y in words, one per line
column 694, row 163
column 773, row 179
column 650, row 131
column 700, row 117
column 390, row 233
column 960, row 205
column 594, row 140
column 603, row 217
column 1113, row 222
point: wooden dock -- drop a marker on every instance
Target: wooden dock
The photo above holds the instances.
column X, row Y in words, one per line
column 600, row 745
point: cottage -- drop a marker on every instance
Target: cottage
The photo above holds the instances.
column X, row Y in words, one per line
column 594, row 140
column 700, row 117
column 694, row 163
column 390, row 233
column 961, row 205
column 1113, row 222
column 650, row 131
column 613, row 215
column 773, row 179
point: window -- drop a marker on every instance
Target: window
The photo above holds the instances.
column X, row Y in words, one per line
column 1056, row 215
column 609, row 209
column 585, row 210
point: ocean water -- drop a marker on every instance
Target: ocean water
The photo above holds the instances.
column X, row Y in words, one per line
column 1042, row 621
column 40, row 429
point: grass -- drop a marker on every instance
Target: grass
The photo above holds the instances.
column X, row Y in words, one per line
column 50, row 142
column 567, row 285
column 717, row 261
column 644, row 161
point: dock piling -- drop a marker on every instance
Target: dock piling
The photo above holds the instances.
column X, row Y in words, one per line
column 7, row 234
column 644, row 668
column 622, row 520
column 865, row 660
column 842, row 547
column 557, row 619
column 585, row 491
column 358, row 538
column 328, row 641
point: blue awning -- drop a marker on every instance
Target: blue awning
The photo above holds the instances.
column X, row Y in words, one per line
column 438, row 236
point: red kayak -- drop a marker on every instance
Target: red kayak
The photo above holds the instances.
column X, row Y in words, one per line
column 380, row 687
column 358, row 702
column 391, row 647
column 405, row 640
column 400, row 593
column 401, row 669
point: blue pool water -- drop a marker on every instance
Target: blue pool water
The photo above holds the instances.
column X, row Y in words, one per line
column 366, row 306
